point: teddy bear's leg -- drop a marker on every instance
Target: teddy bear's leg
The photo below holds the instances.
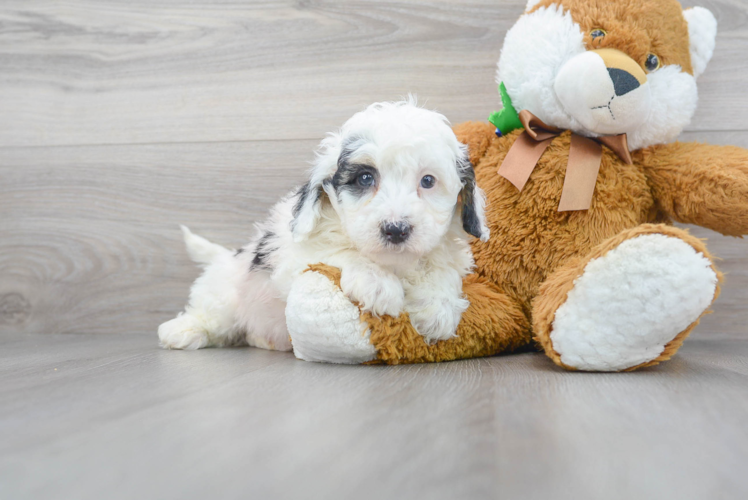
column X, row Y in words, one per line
column 630, row 303
column 325, row 326
column 493, row 323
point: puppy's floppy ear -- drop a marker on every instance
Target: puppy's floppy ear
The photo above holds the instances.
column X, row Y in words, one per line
column 473, row 201
column 306, row 210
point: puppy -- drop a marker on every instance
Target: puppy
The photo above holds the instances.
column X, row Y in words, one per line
column 389, row 200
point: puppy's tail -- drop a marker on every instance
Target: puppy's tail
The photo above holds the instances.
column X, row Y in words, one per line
column 201, row 250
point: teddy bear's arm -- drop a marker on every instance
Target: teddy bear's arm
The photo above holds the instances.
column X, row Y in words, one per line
column 700, row 184
column 325, row 326
column 477, row 136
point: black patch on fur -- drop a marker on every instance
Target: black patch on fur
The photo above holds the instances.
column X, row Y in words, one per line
column 346, row 176
column 259, row 262
column 239, row 252
column 470, row 221
column 303, row 193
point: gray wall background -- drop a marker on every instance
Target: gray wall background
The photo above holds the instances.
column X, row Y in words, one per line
column 121, row 120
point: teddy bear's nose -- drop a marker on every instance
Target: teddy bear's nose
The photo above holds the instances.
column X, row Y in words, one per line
column 624, row 72
column 623, row 81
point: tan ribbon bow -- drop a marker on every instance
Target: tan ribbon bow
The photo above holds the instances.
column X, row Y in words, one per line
column 585, row 155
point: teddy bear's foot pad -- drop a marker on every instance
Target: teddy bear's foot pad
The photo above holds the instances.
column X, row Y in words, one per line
column 323, row 323
column 630, row 303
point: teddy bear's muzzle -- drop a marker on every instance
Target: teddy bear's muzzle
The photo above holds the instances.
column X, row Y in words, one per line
column 605, row 91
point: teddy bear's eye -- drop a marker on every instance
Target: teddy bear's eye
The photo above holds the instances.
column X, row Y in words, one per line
column 652, row 62
column 598, row 33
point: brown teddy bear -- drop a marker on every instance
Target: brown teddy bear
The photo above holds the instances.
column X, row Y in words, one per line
column 582, row 182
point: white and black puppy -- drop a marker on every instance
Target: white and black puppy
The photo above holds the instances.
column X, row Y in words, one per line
column 389, row 200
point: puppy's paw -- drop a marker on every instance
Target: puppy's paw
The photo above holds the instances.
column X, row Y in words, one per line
column 376, row 290
column 437, row 318
column 182, row 332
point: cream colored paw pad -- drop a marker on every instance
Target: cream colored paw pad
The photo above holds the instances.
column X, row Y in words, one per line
column 628, row 304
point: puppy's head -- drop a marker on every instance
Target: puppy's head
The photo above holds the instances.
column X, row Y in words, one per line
column 396, row 176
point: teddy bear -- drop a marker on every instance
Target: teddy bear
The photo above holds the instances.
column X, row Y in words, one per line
column 583, row 180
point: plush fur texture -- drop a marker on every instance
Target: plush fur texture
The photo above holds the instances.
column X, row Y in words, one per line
column 699, row 184
column 311, row 304
column 702, row 32
column 549, row 66
column 394, row 339
column 388, row 202
column 566, row 279
column 631, row 297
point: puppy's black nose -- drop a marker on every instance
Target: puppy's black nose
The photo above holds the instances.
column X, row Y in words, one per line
column 623, row 81
column 396, row 232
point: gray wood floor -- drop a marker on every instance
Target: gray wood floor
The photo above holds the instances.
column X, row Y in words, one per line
column 121, row 120
column 109, row 416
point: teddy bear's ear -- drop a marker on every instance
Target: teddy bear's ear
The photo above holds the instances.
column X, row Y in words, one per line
column 531, row 4
column 702, row 33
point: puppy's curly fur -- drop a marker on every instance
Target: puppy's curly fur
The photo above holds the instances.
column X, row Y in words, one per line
column 388, row 201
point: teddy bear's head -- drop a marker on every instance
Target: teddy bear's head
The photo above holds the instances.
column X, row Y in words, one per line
column 602, row 67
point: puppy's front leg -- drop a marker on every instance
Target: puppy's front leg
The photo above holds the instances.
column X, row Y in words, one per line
column 376, row 289
column 435, row 302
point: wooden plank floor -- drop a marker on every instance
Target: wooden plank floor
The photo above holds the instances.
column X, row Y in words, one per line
column 121, row 120
column 111, row 416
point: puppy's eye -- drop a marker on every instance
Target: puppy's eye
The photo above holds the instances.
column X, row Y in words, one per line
column 598, row 33
column 365, row 179
column 428, row 181
column 652, row 62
